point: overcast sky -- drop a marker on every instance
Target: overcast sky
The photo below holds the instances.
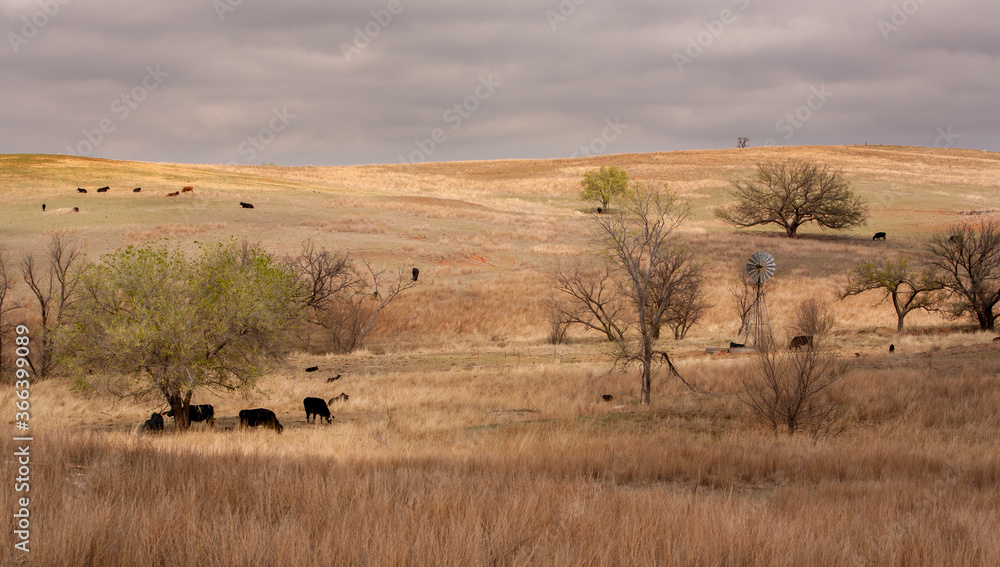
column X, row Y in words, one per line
column 383, row 81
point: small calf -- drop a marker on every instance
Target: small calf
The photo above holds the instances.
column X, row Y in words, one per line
column 416, row 273
column 800, row 342
column 892, row 349
column 246, row 205
column 316, row 407
column 607, row 397
column 154, row 423
column 312, row 369
column 879, row 236
column 137, row 189
column 81, row 190
column 43, row 207
column 76, row 209
column 174, row 194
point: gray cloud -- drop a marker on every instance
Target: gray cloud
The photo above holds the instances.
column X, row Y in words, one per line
column 372, row 82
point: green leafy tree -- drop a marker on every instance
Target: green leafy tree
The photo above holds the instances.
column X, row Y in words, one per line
column 792, row 194
column 604, row 184
column 907, row 288
column 151, row 322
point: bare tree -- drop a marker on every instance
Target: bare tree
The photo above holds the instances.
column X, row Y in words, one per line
column 790, row 195
column 741, row 142
column 908, row 289
column 676, row 284
column 969, row 260
column 814, row 318
column 594, row 302
column 384, row 289
column 638, row 241
column 687, row 307
column 52, row 282
column 792, row 389
column 6, row 304
column 324, row 276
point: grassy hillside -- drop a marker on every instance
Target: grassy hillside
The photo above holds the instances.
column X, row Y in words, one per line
column 468, row 439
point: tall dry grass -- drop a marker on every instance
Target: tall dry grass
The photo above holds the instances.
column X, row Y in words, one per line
column 434, row 460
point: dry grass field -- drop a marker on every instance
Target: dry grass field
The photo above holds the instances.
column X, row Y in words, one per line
column 468, row 439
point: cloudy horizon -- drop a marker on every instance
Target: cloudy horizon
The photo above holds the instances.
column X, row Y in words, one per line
column 386, row 81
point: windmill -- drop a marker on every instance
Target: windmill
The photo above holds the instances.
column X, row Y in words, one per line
column 759, row 269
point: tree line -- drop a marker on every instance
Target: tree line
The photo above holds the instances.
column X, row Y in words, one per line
column 152, row 322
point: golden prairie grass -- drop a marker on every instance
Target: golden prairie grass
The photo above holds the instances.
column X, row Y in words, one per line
column 468, row 440
column 446, row 478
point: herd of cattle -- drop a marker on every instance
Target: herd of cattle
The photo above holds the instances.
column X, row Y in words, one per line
column 185, row 189
column 257, row 417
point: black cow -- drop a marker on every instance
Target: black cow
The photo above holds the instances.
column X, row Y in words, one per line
column 154, row 423
column 607, row 397
column 81, row 190
column 316, row 407
column 246, row 205
column 260, row 417
column 343, row 396
column 333, row 378
column 76, row 209
column 801, row 341
column 43, row 207
column 312, row 369
column 416, row 273
column 892, row 349
column 137, row 189
column 103, row 189
column 879, row 236
column 203, row 412
column 736, row 345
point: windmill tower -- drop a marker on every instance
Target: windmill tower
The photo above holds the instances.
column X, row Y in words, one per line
column 759, row 269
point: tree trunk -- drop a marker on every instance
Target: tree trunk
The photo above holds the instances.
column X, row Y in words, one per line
column 181, row 406
column 647, row 364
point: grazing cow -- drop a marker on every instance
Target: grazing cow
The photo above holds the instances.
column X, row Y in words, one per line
column 203, row 412
column 736, row 345
column 416, row 273
column 246, row 205
column 81, row 190
column 154, row 423
column 342, row 397
column 316, row 407
column 137, row 189
column 187, row 189
column 43, row 207
column 260, row 417
column 879, row 236
column 600, row 210
column 892, row 349
column 312, row 369
column 801, row 341
column 331, row 379
column 103, row 189
column 174, row 194
column 76, row 209
column 607, row 397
